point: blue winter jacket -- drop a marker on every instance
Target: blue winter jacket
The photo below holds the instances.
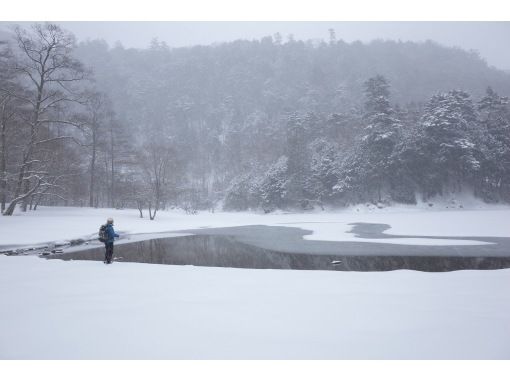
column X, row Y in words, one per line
column 110, row 234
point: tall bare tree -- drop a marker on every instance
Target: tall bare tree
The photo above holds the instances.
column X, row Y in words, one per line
column 95, row 121
column 8, row 112
column 49, row 73
column 7, row 116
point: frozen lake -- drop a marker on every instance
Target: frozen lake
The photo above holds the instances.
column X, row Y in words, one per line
column 263, row 247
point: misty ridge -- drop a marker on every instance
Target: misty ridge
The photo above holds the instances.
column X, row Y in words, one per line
column 268, row 124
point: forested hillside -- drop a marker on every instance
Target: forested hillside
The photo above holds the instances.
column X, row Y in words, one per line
column 261, row 124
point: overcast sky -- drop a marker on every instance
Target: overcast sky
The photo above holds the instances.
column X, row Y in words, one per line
column 490, row 39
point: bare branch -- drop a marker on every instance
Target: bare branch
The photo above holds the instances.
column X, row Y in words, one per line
column 45, row 121
column 51, row 194
column 53, row 139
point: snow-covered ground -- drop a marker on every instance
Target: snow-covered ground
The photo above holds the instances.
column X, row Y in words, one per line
column 57, row 309
column 64, row 223
column 80, row 309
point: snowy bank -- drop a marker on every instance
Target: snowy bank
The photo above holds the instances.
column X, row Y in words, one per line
column 49, row 224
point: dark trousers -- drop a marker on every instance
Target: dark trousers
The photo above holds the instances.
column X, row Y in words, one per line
column 108, row 257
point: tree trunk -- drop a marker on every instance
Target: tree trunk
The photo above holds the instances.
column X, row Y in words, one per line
column 26, row 166
column 24, row 204
column 33, row 137
column 10, row 209
column 112, row 195
column 152, row 215
column 37, row 202
column 140, row 208
column 14, row 202
column 93, row 168
column 17, row 192
column 3, row 165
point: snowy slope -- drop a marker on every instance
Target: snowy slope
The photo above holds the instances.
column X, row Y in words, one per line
column 56, row 309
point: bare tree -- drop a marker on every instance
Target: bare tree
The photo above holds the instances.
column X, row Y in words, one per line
column 9, row 108
column 48, row 72
column 156, row 164
column 140, row 195
column 95, row 126
column 3, row 152
column 111, row 144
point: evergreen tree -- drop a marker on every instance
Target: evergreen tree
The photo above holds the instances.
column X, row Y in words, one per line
column 324, row 169
column 448, row 144
column 273, row 186
column 299, row 130
column 242, row 193
column 495, row 120
column 369, row 164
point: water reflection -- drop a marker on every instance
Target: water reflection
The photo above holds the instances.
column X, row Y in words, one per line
column 225, row 251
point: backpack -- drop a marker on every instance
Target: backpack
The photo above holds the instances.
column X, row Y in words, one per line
column 102, row 234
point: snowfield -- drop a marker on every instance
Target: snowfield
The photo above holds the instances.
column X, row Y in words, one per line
column 86, row 310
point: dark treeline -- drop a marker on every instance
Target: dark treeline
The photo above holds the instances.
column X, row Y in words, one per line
column 260, row 124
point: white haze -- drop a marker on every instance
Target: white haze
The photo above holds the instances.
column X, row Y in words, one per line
column 490, row 39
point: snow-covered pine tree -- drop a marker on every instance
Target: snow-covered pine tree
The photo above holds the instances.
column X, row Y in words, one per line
column 448, row 143
column 495, row 120
column 298, row 132
column 273, row 185
column 368, row 166
column 243, row 193
column 343, row 128
column 324, row 169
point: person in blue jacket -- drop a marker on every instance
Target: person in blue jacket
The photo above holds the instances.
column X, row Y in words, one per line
column 110, row 237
